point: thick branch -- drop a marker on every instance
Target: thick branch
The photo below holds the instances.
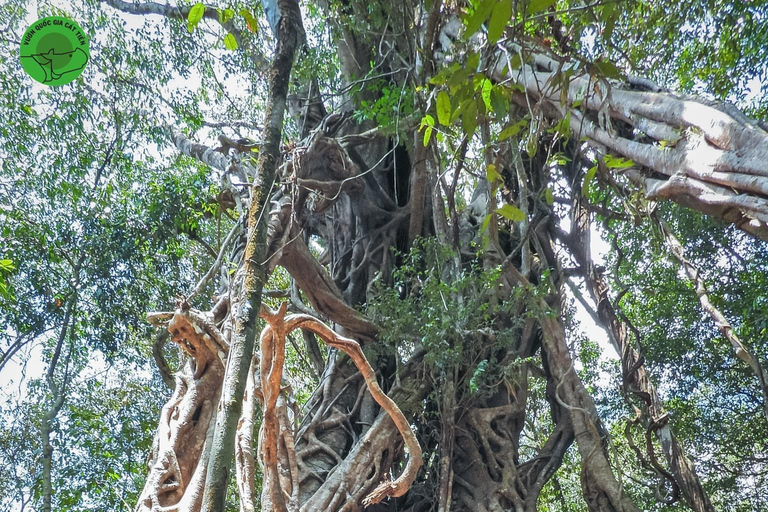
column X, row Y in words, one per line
column 200, row 152
column 703, row 144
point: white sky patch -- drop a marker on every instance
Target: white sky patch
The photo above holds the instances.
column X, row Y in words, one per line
column 599, row 248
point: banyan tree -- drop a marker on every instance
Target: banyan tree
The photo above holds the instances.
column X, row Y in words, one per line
column 414, row 217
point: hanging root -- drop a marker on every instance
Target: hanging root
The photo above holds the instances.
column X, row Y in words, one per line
column 272, row 359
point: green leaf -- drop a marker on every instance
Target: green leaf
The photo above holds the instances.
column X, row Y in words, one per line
column 587, row 179
column 442, row 76
column 459, row 78
column 226, row 15
column 486, row 93
column 532, row 144
column 230, row 43
column 512, row 213
column 474, row 381
column 469, row 118
column 563, row 127
column 499, row 103
column 608, row 13
column 607, row 69
column 486, row 222
column 492, row 174
column 513, row 130
column 473, row 61
column 195, row 15
column 429, row 122
column 613, row 162
column 500, row 16
column 478, row 17
column 443, row 108
column 459, row 110
column 250, row 21
column 549, row 196
column 540, row 5
column 427, row 135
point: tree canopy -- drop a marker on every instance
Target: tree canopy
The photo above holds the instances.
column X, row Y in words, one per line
column 478, row 255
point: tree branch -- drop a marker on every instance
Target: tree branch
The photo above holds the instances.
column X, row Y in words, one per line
column 181, row 13
column 740, row 349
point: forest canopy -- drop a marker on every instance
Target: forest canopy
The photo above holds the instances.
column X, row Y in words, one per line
column 335, row 255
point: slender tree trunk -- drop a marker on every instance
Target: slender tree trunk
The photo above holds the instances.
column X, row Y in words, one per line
column 637, row 382
column 58, row 392
column 290, row 34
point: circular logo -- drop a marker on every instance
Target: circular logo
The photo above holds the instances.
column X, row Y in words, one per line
column 54, row 50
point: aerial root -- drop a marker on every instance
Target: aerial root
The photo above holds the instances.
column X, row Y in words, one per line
column 272, row 359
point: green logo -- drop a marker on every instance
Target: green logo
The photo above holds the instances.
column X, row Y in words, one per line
column 54, row 50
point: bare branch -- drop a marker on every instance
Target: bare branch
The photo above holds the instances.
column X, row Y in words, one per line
column 181, row 13
column 740, row 349
column 216, row 264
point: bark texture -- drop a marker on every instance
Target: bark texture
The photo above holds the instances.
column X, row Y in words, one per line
column 290, row 34
column 388, row 428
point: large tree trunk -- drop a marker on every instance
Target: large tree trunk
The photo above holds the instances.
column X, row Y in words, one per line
column 362, row 194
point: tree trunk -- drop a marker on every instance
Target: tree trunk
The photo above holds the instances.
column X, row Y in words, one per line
column 290, row 34
column 57, row 389
column 363, row 435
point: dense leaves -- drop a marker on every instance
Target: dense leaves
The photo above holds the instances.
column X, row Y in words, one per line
column 103, row 220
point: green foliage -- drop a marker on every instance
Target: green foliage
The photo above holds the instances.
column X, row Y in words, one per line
column 588, row 178
column 226, row 14
column 479, row 12
column 500, row 16
column 230, row 43
column 391, row 102
column 711, row 395
column 512, row 213
column 443, row 106
column 444, row 314
column 709, row 46
column 427, row 124
column 94, row 214
column 251, row 22
column 513, row 130
column 6, row 267
column 195, row 15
